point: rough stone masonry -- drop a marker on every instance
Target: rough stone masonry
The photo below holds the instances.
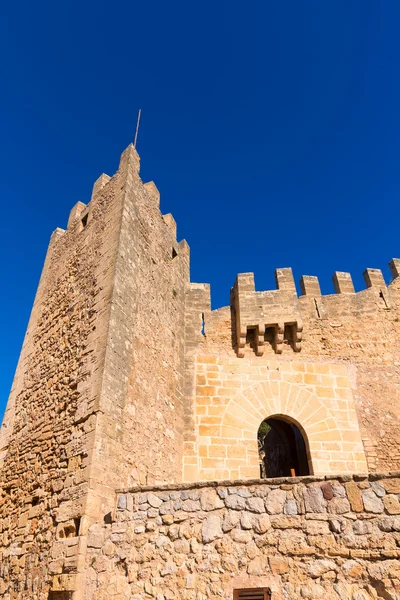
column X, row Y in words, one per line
column 130, row 451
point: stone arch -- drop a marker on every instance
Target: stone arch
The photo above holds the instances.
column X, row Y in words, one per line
column 280, row 399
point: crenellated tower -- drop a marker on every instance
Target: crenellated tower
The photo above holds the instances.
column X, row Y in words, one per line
column 97, row 400
column 127, row 379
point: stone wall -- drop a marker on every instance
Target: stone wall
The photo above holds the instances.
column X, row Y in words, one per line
column 336, row 538
column 233, row 397
column 97, row 400
column 51, row 411
column 279, row 336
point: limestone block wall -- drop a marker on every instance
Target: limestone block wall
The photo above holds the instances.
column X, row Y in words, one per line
column 233, row 397
column 358, row 330
column 335, row 538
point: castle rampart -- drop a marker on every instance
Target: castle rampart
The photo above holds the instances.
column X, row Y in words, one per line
column 128, row 378
column 328, row 537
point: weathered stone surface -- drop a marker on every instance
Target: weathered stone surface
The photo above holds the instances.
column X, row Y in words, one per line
column 275, row 502
column 354, row 496
column 371, row 501
column 258, row 566
column 154, row 500
column 391, row 504
column 211, row 529
column 231, row 520
column 391, row 485
column 352, row 568
column 261, row 524
column 290, row 507
column 235, row 502
column 320, row 567
column 240, row 536
column 339, row 506
column 378, row 489
column 255, row 505
column 314, row 499
column 278, row 565
column 209, row 500
column 190, row 505
column 327, row 491
column 317, row 527
column 246, row 521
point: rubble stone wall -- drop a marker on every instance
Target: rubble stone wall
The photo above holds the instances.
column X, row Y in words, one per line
column 336, row 538
column 45, row 468
column 97, row 400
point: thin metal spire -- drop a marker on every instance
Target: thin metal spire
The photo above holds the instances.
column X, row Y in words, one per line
column 137, row 128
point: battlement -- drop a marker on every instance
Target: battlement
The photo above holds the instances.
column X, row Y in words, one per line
column 81, row 214
column 127, row 379
column 274, row 314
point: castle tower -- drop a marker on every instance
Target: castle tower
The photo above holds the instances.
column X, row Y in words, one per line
column 97, row 400
column 154, row 448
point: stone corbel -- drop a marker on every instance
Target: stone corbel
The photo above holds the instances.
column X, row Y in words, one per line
column 297, row 335
column 241, row 337
column 278, row 341
column 260, row 330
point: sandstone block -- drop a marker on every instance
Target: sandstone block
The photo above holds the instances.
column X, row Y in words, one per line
column 209, row 500
column 371, row 502
column 391, row 504
column 354, row 496
column 290, row 507
column 314, row 500
column 153, row 500
column 258, row 566
column 211, row 529
column 261, row 524
column 96, row 536
column 240, row 536
column 392, row 485
column 339, row 506
column 275, row 501
column 319, row 567
column 231, row 520
column 352, row 568
column 278, row 565
column 317, row 527
column 255, row 505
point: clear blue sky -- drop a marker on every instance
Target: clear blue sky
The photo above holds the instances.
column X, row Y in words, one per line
column 271, row 128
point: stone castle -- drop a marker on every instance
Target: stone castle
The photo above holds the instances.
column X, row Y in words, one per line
column 154, row 449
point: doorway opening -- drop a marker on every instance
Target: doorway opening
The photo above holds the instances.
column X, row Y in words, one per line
column 282, row 449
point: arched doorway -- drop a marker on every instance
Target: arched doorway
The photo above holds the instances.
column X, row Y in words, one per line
column 282, row 449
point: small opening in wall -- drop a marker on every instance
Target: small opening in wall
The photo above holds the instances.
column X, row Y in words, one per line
column 35, row 500
column 84, row 220
column 269, row 336
column 289, row 335
column 251, row 337
column 174, row 253
column 203, row 325
column 69, row 531
column 252, row 594
column 77, row 523
column 60, row 596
